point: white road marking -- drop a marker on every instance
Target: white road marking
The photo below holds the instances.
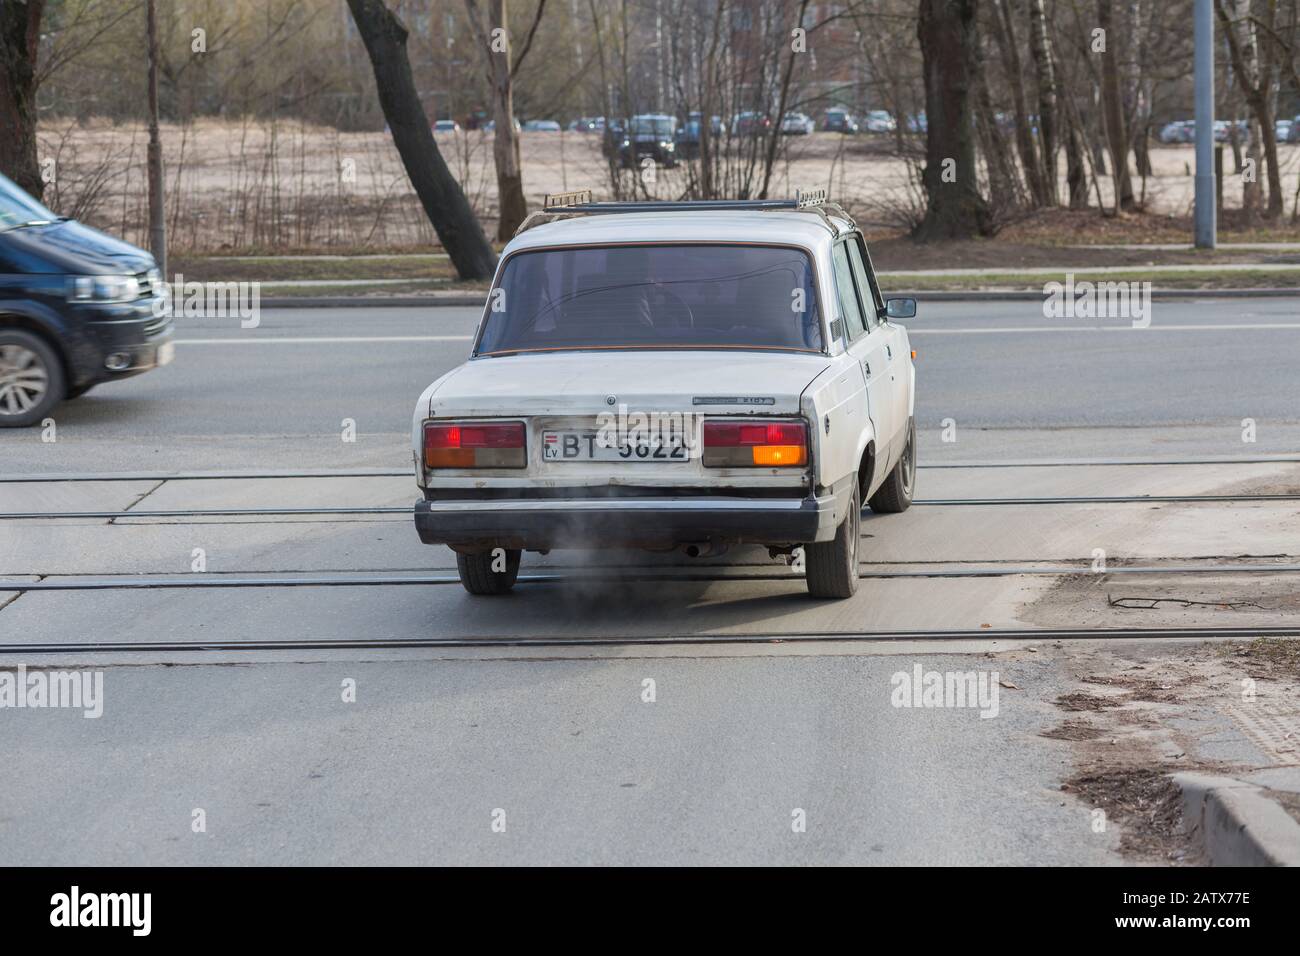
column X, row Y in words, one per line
column 332, row 340
column 1153, row 327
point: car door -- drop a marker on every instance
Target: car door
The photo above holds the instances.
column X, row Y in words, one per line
column 897, row 356
column 868, row 347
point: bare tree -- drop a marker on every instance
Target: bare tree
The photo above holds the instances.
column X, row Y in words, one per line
column 1005, row 35
column 770, row 159
column 444, row 203
column 1040, row 48
column 1112, row 107
column 494, row 40
column 157, row 208
column 20, row 30
column 1254, row 79
column 954, row 207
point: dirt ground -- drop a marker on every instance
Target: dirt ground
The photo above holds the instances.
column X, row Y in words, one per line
column 245, row 186
column 1140, row 712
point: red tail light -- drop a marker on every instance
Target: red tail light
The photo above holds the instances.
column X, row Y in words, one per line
column 732, row 443
column 475, row 445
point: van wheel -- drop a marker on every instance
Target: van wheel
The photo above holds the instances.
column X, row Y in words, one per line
column 832, row 566
column 477, row 574
column 31, row 379
column 895, row 494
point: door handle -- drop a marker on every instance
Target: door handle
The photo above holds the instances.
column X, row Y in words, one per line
column 866, row 366
column 889, row 352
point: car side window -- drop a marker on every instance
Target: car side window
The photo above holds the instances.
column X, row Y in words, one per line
column 848, row 293
column 866, row 282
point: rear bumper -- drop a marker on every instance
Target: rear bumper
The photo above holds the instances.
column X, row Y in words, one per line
column 541, row 524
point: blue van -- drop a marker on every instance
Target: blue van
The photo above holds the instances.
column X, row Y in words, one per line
column 77, row 308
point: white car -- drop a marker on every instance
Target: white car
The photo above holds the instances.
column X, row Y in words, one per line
column 879, row 121
column 797, row 124
column 668, row 376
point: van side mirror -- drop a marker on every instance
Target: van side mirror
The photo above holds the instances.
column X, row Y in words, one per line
column 900, row 308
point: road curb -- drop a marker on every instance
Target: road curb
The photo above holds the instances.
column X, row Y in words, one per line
column 1237, row 823
column 428, row 301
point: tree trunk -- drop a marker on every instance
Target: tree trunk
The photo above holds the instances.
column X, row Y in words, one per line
column 1040, row 46
column 1254, row 82
column 440, row 195
column 495, row 44
column 1005, row 35
column 769, row 160
column 954, row 207
column 1076, row 172
column 1112, row 109
column 157, row 204
column 20, row 30
column 1005, row 190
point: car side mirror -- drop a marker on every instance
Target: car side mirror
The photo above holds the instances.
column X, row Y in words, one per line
column 900, row 308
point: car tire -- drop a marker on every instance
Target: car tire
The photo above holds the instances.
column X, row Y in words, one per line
column 477, row 576
column 831, row 567
column 895, row 495
column 30, row 372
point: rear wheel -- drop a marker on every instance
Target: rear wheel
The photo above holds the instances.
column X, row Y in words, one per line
column 31, row 379
column 895, row 495
column 832, row 566
column 491, row 572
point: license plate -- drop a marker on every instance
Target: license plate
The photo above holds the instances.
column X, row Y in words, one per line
column 166, row 352
column 586, row 446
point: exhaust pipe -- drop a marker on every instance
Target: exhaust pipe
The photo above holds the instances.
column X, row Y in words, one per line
column 707, row 550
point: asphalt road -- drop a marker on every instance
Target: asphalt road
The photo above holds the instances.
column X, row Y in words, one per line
column 1014, row 384
column 740, row 742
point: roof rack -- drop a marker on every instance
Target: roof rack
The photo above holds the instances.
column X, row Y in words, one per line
column 580, row 203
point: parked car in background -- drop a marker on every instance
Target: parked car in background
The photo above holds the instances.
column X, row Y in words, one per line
column 491, row 125
column 1223, row 131
column 797, row 124
column 649, row 135
column 77, row 308
column 1282, row 130
column 585, row 124
column 541, row 126
column 917, row 123
column 688, row 135
column 1294, row 135
column 750, row 123
column 446, row 126
column 879, row 121
column 1179, row 131
column 839, row 121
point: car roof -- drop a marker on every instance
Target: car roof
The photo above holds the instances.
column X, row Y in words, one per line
column 775, row 226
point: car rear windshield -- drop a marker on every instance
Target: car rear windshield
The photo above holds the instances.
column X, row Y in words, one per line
column 654, row 296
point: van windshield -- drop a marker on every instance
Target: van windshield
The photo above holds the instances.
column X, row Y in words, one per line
column 651, row 126
column 654, row 296
column 17, row 208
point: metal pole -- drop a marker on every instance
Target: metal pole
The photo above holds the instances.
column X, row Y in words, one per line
column 1204, row 87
